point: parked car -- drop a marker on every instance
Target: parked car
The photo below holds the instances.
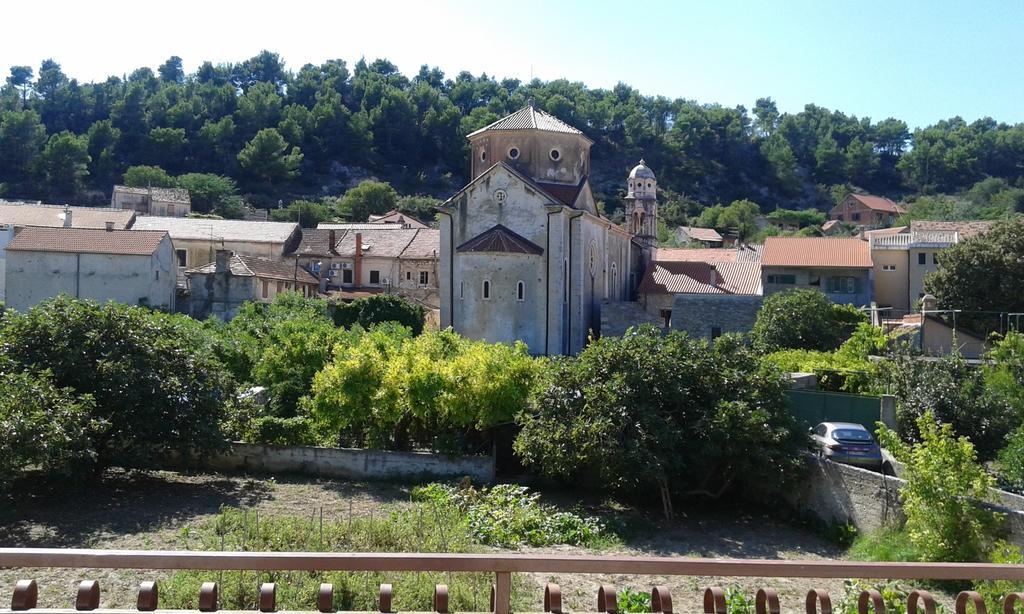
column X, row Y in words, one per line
column 846, row 442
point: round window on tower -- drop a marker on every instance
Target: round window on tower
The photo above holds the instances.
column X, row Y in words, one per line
column 483, row 155
column 555, row 154
column 513, row 153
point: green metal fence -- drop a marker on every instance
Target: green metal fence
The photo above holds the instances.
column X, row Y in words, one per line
column 814, row 406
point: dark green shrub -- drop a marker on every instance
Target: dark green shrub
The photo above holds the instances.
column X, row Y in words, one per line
column 281, row 431
column 378, row 309
column 803, row 320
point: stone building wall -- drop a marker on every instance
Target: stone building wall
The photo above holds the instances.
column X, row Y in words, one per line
column 698, row 314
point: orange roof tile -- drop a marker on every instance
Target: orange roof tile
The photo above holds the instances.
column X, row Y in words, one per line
column 87, row 241
column 878, row 203
column 834, row 252
column 702, row 278
column 683, row 254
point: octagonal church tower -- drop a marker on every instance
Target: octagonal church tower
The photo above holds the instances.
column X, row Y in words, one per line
column 525, row 254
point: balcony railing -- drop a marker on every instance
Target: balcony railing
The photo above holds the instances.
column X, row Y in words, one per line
column 502, row 566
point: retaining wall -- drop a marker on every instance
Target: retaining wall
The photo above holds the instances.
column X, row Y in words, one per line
column 351, row 463
column 833, row 492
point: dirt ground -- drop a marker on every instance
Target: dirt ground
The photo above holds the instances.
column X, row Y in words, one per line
column 150, row 510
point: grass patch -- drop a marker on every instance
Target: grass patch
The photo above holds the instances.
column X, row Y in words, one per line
column 889, row 544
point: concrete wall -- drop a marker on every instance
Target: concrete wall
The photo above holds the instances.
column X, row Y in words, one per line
column 918, row 270
column 817, row 279
column 351, row 463
column 133, row 280
column 534, row 154
column 833, row 492
column 697, row 314
column 200, row 252
column 6, row 234
column 892, row 288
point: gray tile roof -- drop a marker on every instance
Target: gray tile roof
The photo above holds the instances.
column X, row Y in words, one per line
column 359, row 225
column 18, row 213
column 250, row 266
column 426, row 245
column 317, row 242
column 228, row 230
column 692, row 277
column 528, row 118
column 377, row 243
column 174, row 195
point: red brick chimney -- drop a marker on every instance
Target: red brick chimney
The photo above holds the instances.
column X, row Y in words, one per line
column 357, row 274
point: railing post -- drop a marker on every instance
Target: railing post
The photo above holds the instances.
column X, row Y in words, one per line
column 502, row 592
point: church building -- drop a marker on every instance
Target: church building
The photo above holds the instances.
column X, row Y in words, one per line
column 525, row 253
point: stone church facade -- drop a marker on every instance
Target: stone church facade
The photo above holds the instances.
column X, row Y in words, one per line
column 525, row 254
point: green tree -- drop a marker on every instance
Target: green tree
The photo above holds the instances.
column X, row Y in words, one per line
column 944, row 486
column 369, row 197
column 21, row 79
column 803, row 320
column 148, row 177
column 268, row 158
column 65, row 161
column 208, row 192
column 42, row 427
column 22, row 138
column 171, row 70
column 982, row 274
column 156, row 384
column 307, row 213
column 381, row 308
column 647, row 413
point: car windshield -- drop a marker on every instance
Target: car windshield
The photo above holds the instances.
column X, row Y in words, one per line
column 851, row 435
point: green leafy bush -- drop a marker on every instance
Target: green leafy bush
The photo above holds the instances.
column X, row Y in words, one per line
column 378, row 309
column 803, row 320
column 638, row 602
column 42, row 427
column 509, row 516
column 943, row 490
column 646, row 411
column 156, row 384
column 847, row 369
column 994, row 591
column 281, row 431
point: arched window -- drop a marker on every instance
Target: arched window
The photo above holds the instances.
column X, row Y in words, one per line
column 615, row 282
column 462, row 290
column 520, row 291
column 487, row 289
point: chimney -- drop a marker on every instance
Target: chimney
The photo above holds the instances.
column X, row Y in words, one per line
column 331, row 241
column 714, row 274
column 223, row 261
column 67, row 216
column 357, row 274
column 110, row 226
column 928, row 303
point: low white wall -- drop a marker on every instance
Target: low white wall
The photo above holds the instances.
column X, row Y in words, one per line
column 351, row 463
column 833, row 492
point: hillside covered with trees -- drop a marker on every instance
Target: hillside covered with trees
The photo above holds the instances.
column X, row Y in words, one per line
column 283, row 134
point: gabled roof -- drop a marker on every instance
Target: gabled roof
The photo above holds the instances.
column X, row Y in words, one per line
column 376, row 242
column 173, row 195
column 815, row 252
column 878, row 203
column 536, row 187
column 742, row 278
column 426, row 245
column 250, row 266
column 565, row 193
column 700, row 234
column 359, row 226
column 500, row 239
column 195, row 228
column 397, row 217
column 18, row 213
column 316, row 242
column 86, row 241
column 528, row 118
column 965, row 230
column 685, row 254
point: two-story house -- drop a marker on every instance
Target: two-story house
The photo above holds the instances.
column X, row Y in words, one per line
column 170, row 202
column 840, row 268
column 866, row 210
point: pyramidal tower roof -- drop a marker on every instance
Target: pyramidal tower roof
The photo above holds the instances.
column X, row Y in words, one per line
column 529, row 118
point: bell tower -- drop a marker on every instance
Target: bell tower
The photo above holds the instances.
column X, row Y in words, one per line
column 642, row 205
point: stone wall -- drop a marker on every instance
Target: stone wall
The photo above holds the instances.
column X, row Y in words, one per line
column 617, row 317
column 698, row 314
column 351, row 463
column 833, row 492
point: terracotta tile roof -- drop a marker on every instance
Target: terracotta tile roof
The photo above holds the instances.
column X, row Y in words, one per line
column 316, row 242
column 18, row 213
column 500, row 239
column 749, row 253
column 965, row 229
column 833, row 252
column 86, row 241
column 194, row 228
column 377, row 242
column 397, row 217
column 528, row 118
column 425, row 245
column 173, row 195
column 351, row 294
column 700, row 234
column 359, row 226
column 250, row 266
column 878, row 203
column 702, row 278
column 684, row 254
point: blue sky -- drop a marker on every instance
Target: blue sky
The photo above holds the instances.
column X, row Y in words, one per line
column 915, row 60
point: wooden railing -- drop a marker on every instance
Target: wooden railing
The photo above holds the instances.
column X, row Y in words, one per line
column 502, row 566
